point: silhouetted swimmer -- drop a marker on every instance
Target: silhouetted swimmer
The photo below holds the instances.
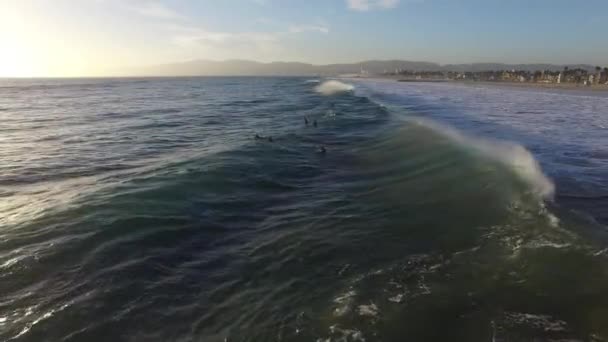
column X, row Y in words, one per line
column 314, row 123
column 306, row 121
column 258, row 137
column 270, row 139
column 322, row 150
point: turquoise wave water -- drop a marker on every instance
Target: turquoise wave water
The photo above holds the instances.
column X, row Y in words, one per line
column 144, row 209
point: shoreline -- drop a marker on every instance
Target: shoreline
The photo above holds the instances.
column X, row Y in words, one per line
column 521, row 85
column 563, row 86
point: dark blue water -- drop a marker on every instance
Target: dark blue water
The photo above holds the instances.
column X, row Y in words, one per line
column 145, row 210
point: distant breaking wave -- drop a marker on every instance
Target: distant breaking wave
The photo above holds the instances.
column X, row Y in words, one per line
column 333, row 87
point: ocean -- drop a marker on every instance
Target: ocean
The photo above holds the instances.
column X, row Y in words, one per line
column 146, row 209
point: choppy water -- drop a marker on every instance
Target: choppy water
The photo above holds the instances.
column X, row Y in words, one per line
column 145, row 210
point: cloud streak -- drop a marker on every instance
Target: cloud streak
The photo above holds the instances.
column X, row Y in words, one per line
column 187, row 35
column 155, row 10
column 184, row 35
column 220, row 44
column 367, row 5
column 308, row 28
column 193, row 38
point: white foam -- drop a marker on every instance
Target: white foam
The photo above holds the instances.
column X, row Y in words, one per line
column 398, row 298
column 522, row 162
column 344, row 303
column 547, row 244
column 10, row 262
column 345, row 334
column 333, row 87
column 370, row 310
column 544, row 322
column 41, row 318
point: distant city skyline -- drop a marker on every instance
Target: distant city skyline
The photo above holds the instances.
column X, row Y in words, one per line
column 98, row 37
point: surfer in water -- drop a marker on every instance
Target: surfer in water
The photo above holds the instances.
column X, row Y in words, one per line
column 306, row 121
column 314, row 123
column 261, row 137
column 321, row 150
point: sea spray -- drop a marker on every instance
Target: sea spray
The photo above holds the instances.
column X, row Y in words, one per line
column 333, row 87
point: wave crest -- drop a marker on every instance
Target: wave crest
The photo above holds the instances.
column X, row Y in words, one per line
column 512, row 155
column 333, row 87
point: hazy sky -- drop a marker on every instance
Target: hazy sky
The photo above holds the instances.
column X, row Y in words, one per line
column 90, row 37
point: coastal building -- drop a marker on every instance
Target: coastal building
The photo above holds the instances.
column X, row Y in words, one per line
column 568, row 76
column 362, row 72
column 603, row 79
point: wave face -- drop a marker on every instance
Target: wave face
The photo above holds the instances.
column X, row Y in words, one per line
column 159, row 216
column 512, row 155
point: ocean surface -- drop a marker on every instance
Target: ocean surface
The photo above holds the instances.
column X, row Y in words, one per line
column 146, row 210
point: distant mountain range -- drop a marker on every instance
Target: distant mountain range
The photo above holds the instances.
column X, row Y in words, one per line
column 251, row 68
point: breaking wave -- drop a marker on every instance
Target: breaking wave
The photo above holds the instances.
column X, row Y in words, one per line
column 510, row 154
column 333, row 87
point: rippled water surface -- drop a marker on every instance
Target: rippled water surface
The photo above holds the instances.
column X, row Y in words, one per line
column 146, row 210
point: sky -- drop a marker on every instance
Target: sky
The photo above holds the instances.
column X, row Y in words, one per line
column 98, row 37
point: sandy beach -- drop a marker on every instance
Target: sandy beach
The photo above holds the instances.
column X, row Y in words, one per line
column 564, row 86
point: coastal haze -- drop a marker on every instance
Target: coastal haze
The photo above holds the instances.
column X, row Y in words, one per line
column 369, row 68
column 328, row 170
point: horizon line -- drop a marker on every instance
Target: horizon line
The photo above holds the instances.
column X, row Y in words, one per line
column 117, row 73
